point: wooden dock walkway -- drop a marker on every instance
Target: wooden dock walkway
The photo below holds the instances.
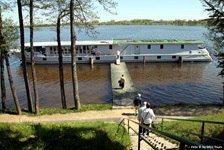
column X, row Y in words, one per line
column 122, row 98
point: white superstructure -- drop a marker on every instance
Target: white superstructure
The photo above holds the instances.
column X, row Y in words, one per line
column 108, row 51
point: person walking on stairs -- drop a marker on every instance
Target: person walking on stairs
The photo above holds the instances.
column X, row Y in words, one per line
column 147, row 117
column 137, row 103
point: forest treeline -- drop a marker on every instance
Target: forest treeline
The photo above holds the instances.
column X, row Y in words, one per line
column 153, row 22
column 143, row 22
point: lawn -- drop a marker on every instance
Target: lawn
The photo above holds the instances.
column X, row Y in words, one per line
column 69, row 135
column 210, row 130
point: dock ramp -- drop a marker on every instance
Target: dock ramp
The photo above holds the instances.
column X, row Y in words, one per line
column 122, row 98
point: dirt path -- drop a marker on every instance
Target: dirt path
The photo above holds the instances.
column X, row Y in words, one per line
column 115, row 113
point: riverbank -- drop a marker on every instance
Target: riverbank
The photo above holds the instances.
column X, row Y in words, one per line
column 114, row 114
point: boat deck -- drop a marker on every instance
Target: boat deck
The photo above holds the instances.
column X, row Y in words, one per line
column 122, row 98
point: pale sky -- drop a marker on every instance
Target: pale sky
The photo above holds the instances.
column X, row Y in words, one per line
column 150, row 9
column 156, row 10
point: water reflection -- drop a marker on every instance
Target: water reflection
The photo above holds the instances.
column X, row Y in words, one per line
column 94, row 86
column 167, row 83
column 159, row 83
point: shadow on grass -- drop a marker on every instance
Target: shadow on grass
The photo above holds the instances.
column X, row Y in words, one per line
column 218, row 144
column 57, row 137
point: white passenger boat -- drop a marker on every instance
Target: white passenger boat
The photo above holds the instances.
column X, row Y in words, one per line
column 109, row 51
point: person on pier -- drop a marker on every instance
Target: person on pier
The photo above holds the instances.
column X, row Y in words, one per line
column 121, row 81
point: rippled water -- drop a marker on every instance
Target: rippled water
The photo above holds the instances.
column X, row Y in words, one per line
column 159, row 83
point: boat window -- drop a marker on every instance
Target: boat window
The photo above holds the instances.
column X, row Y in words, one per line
column 136, row 57
column 45, row 59
column 95, row 46
column 121, row 57
column 28, row 49
column 88, row 49
column 161, row 46
column 174, row 57
column 159, row 57
column 182, row 46
column 79, row 58
column 80, row 49
column 149, row 46
column 84, row 49
column 110, row 47
column 53, row 50
column 37, row 49
column 97, row 58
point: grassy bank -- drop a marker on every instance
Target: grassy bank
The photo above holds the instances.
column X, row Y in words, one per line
column 50, row 111
column 210, row 130
column 57, row 136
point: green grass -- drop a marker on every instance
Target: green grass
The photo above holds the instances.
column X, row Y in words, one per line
column 57, row 136
column 210, row 130
column 50, row 111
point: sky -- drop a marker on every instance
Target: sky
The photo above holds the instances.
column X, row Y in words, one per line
column 149, row 9
column 155, row 10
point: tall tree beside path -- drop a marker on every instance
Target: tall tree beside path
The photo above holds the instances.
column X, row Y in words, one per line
column 8, row 34
column 73, row 54
column 62, row 12
column 2, row 58
column 23, row 56
column 82, row 11
column 36, row 96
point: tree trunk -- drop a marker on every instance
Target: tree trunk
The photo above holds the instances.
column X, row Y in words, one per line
column 12, row 84
column 23, row 56
column 61, row 74
column 3, row 89
column 35, row 89
column 73, row 53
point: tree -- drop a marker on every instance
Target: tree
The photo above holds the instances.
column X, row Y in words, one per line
column 81, row 14
column 82, row 11
column 73, row 54
column 23, row 56
column 215, row 22
column 216, row 29
column 3, row 89
column 8, row 34
column 62, row 12
column 216, row 26
column 36, row 96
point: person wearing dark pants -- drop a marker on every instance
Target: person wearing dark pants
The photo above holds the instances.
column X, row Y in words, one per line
column 147, row 117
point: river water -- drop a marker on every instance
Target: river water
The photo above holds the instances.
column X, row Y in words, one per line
column 159, row 83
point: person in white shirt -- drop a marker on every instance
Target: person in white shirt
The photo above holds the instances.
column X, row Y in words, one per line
column 143, row 106
column 147, row 117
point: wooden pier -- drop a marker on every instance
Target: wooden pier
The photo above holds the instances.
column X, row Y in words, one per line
column 122, row 98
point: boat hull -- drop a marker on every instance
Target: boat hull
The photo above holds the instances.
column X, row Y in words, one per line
column 113, row 59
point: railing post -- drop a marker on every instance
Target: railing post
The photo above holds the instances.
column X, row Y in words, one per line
column 162, row 125
column 182, row 146
column 202, row 131
column 128, row 126
column 139, row 137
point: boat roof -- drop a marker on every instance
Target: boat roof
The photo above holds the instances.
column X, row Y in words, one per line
column 68, row 43
column 169, row 41
column 116, row 42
